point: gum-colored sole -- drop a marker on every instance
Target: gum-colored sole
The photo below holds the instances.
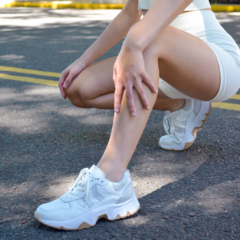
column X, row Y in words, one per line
column 86, row 225
column 194, row 133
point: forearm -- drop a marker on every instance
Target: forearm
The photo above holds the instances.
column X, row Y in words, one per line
column 114, row 32
column 161, row 14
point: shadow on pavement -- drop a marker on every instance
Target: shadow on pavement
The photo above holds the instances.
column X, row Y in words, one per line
column 46, row 141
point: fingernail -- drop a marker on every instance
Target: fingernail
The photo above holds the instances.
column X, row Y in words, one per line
column 116, row 110
column 64, row 85
column 147, row 107
column 133, row 114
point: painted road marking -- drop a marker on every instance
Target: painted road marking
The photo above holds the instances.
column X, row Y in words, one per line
column 236, row 96
column 29, row 71
column 29, row 79
column 221, row 105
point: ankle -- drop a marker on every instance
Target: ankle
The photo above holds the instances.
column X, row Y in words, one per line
column 112, row 172
column 176, row 105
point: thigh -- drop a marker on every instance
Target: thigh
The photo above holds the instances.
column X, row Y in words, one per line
column 95, row 80
column 187, row 63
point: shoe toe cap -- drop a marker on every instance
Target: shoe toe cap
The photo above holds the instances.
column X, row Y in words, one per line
column 52, row 211
column 165, row 141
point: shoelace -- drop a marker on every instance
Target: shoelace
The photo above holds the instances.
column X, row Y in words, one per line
column 82, row 183
column 169, row 127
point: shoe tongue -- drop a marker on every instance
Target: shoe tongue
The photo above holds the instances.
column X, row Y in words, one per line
column 97, row 171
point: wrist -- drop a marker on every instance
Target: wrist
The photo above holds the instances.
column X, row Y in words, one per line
column 133, row 40
column 88, row 57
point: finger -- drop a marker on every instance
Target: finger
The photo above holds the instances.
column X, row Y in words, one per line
column 142, row 95
column 61, row 81
column 130, row 100
column 149, row 83
column 114, row 73
column 118, row 98
column 68, row 80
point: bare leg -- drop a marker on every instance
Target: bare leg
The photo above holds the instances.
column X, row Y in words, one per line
column 176, row 54
column 93, row 90
column 127, row 130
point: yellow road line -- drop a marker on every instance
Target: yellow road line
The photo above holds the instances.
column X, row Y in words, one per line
column 29, row 71
column 29, row 79
column 230, row 106
column 55, row 5
column 236, row 96
column 222, row 105
column 225, row 8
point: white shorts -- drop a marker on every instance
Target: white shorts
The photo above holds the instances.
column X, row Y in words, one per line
column 204, row 25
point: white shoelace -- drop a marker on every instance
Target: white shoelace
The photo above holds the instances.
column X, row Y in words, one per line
column 81, row 184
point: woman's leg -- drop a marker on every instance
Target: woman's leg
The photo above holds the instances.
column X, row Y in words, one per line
column 94, row 88
column 186, row 63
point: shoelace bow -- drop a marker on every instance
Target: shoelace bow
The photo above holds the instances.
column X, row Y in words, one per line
column 169, row 127
column 82, row 183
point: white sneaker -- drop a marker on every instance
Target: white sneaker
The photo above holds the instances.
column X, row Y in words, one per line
column 91, row 197
column 182, row 125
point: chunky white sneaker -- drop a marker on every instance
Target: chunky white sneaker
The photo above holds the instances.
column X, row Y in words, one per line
column 182, row 125
column 91, row 197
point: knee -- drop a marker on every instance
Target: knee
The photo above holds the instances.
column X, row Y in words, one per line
column 74, row 97
column 76, row 94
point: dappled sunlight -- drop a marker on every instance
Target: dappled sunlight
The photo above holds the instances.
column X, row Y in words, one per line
column 11, row 57
column 135, row 221
column 152, row 174
column 225, row 20
column 22, row 118
column 43, row 90
column 16, row 189
column 234, row 13
column 17, row 122
column 59, row 186
column 69, row 51
column 97, row 121
column 149, row 185
column 219, row 197
column 38, row 17
column 215, row 199
column 37, row 108
column 168, row 169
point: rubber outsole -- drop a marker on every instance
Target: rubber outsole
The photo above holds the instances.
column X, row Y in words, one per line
column 194, row 133
column 86, row 225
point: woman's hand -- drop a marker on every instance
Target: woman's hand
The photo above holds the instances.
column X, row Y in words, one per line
column 128, row 73
column 70, row 73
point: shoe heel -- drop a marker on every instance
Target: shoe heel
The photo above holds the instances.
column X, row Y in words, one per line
column 125, row 210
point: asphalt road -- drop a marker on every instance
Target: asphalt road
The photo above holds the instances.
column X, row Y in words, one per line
column 45, row 141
